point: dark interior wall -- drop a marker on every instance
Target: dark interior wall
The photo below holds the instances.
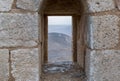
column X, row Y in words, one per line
column 63, row 7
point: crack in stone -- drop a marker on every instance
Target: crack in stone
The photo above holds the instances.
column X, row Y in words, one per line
column 11, row 78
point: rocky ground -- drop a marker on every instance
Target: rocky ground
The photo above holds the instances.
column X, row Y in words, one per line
column 63, row 72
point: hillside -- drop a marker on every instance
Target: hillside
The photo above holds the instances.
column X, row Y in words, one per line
column 59, row 47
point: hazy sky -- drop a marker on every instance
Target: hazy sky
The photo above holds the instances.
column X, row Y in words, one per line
column 59, row 20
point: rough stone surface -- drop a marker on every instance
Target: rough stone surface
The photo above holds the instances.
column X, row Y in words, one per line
column 4, row 65
column 103, row 65
column 18, row 29
column 5, row 5
column 104, row 31
column 32, row 5
column 118, row 4
column 66, row 71
column 25, row 64
column 100, row 5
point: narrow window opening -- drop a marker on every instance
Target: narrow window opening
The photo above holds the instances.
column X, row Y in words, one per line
column 58, row 61
column 60, row 48
column 60, row 39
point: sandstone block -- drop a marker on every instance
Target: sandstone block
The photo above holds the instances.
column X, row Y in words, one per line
column 32, row 5
column 100, row 5
column 25, row 64
column 4, row 65
column 103, row 31
column 18, row 29
column 5, row 5
column 103, row 65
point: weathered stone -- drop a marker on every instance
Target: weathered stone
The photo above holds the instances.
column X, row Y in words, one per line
column 18, row 29
column 5, row 5
column 25, row 64
column 104, row 31
column 100, row 5
column 32, row 5
column 103, row 65
column 118, row 3
column 4, row 65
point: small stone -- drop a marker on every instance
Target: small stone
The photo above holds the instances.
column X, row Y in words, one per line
column 100, row 5
column 4, row 65
column 25, row 64
column 32, row 5
column 6, row 5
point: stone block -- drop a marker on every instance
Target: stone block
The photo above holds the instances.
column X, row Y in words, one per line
column 103, row 31
column 4, row 65
column 25, row 64
column 17, row 29
column 103, row 65
column 100, row 5
column 5, row 5
column 32, row 5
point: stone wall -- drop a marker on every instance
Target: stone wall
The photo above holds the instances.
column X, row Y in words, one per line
column 19, row 28
column 20, row 44
column 103, row 40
